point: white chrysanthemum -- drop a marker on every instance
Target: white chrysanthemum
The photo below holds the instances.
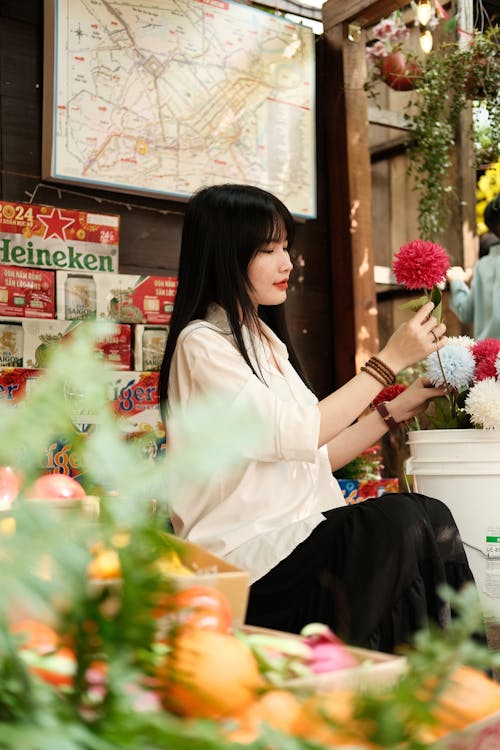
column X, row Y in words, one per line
column 483, row 404
column 457, row 363
column 461, row 341
column 497, row 365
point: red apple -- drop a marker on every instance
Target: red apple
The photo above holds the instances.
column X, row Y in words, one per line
column 56, row 486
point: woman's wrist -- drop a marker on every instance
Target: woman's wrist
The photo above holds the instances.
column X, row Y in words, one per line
column 390, row 422
column 391, row 360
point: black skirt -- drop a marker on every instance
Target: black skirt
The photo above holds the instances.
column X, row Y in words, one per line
column 370, row 571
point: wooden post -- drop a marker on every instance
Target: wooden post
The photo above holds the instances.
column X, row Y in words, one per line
column 349, row 178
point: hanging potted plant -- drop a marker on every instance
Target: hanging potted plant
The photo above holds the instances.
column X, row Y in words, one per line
column 387, row 58
column 452, row 78
column 443, row 84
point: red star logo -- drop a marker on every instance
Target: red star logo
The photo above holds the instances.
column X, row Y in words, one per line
column 55, row 224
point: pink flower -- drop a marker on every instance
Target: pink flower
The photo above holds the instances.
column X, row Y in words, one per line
column 420, row 264
column 485, row 353
column 375, row 52
column 388, row 393
column 385, row 29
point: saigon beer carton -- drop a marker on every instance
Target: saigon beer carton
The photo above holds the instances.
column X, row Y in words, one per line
column 113, row 345
column 124, row 298
column 149, row 346
column 27, row 292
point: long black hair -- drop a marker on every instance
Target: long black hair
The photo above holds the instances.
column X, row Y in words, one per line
column 224, row 226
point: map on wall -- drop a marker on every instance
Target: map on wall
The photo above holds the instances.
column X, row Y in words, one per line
column 162, row 97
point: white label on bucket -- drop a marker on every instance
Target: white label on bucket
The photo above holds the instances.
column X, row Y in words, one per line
column 493, row 542
column 492, row 577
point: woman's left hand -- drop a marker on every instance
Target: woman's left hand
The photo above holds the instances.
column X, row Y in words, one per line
column 414, row 400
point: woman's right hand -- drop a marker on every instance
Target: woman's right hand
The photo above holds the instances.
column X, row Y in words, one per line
column 414, row 340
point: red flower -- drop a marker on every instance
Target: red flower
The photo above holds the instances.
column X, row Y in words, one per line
column 388, row 393
column 420, row 264
column 485, row 353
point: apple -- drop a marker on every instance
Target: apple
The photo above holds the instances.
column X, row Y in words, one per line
column 56, row 486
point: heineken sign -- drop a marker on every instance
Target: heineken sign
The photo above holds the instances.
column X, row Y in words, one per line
column 55, row 239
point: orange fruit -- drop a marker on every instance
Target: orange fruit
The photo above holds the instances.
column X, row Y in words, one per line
column 208, row 674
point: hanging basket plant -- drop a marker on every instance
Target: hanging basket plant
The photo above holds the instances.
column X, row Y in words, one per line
column 452, row 78
column 443, row 84
column 387, row 59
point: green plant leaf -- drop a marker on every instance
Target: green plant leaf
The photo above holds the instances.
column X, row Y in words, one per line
column 437, row 298
column 415, row 304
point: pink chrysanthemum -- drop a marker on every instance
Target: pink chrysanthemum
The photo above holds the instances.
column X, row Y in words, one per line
column 485, row 352
column 388, row 393
column 420, row 264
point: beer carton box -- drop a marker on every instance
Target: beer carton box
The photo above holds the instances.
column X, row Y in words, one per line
column 134, row 398
column 124, row 298
column 149, row 346
column 11, row 343
column 50, row 238
column 112, row 344
column 27, row 292
column 15, row 383
column 357, row 490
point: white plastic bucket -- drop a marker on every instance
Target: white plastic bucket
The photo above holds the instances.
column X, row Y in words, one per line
column 459, row 445
column 462, row 468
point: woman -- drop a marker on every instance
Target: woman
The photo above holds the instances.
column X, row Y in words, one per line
column 370, row 570
column 479, row 303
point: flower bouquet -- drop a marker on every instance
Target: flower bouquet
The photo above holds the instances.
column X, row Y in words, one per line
column 470, row 370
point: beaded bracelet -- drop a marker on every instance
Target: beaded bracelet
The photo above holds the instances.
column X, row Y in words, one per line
column 381, row 379
column 375, row 365
column 382, row 368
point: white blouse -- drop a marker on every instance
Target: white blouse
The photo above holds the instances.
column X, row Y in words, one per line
column 255, row 515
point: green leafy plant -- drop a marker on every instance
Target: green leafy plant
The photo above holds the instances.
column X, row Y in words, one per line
column 452, row 77
column 43, row 574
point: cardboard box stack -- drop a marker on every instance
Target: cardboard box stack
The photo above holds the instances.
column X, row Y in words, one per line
column 59, row 270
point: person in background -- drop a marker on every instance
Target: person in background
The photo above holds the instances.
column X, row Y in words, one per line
column 371, row 570
column 479, row 303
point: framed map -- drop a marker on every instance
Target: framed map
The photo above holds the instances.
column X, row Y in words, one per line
column 162, row 97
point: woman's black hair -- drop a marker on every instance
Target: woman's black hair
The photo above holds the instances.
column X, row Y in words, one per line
column 224, row 226
column 492, row 215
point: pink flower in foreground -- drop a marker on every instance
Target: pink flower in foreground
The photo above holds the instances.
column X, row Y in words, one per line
column 388, row 393
column 420, row 264
column 485, row 352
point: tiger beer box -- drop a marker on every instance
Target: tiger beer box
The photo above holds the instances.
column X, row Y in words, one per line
column 134, row 397
column 113, row 345
column 15, row 383
column 50, row 238
column 27, row 292
column 124, row 298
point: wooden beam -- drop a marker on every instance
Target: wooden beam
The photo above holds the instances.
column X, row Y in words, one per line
column 387, row 117
column 364, row 12
column 351, row 242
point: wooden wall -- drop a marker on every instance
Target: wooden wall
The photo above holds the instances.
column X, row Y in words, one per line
column 150, row 228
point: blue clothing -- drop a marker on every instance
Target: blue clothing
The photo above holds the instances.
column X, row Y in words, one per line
column 479, row 304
